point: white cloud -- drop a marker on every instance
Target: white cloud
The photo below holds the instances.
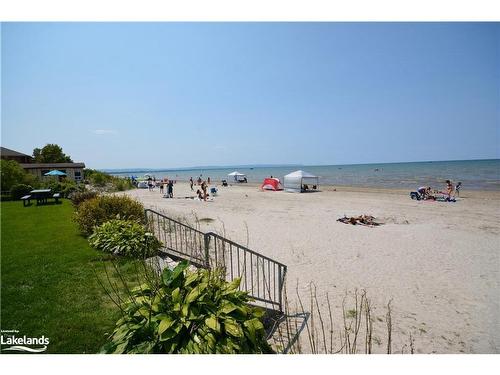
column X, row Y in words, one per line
column 103, row 131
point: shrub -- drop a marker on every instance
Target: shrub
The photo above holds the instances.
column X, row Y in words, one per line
column 122, row 184
column 13, row 174
column 96, row 211
column 19, row 190
column 81, row 196
column 125, row 237
column 189, row 312
column 65, row 187
column 97, row 178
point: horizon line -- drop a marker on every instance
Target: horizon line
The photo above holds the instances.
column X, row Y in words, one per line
column 123, row 170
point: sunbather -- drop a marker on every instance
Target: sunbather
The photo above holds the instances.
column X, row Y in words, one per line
column 425, row 192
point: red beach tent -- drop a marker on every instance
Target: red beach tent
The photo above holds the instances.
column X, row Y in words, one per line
column 271, row 184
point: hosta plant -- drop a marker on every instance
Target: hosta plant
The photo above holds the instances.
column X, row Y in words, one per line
column 188, row 312
column 125, row 237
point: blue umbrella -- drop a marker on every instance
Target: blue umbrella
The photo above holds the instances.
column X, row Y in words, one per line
column 55, row 172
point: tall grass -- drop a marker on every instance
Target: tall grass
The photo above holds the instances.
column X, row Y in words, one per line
column 353, row 335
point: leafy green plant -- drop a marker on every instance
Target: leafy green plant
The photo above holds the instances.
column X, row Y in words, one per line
column 96, row 211
column 19, row 190
column 188, row 312
column 81, row 196
column 125, row 237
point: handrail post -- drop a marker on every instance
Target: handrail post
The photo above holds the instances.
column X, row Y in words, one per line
column 280, row 287
column 206, row 239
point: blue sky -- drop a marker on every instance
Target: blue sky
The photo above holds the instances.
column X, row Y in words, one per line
column 123, row 95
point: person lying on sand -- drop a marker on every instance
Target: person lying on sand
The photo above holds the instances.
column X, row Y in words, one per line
column 367, row 220
column 425, row 192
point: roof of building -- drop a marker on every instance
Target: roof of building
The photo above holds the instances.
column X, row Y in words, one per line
column 8, row 152
column 53, row 165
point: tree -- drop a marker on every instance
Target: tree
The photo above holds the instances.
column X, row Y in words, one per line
column 12, row 174
column 51, row 153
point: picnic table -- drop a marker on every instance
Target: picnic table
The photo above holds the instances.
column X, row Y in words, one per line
column 41, row 195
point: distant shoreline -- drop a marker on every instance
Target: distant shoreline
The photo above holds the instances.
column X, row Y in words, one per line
column 258, row 166
column 467, row 193
column 474, row 174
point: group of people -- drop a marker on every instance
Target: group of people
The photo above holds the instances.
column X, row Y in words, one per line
column 152, row 183
column 450, row 191
column 203, row 193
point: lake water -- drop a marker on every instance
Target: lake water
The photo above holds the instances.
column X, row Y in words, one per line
column 474, row 174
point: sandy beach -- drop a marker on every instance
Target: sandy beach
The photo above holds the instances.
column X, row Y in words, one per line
column 438, row 262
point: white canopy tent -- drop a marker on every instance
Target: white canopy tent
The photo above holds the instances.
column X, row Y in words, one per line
column 300, row 181
column 237, row 176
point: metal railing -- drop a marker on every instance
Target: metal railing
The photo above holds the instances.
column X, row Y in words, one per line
column 177, row 238
column 262, row 277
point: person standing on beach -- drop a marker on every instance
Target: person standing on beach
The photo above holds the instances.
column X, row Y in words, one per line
column 208, row 180
column 161, row 187
column 170, row 189
column 191, row 183
column 204, row 189
column 449, row 188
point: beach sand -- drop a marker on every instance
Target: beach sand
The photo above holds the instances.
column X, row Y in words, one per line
column 438, row 262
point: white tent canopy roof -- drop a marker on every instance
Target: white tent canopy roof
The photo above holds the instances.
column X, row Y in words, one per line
column 236, row 173
column 301, row 174
column 298, row 181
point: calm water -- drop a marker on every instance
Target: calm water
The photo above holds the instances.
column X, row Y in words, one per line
column 474, row 174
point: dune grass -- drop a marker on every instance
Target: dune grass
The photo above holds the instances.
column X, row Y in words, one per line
column 48, row 279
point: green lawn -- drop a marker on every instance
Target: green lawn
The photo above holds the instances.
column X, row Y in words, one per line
column 48, row 282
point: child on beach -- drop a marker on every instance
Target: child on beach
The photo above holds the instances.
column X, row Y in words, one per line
column 191, row 183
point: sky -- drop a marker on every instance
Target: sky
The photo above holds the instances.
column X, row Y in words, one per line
column 170, row 95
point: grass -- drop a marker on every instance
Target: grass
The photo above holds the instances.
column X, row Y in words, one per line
column 48, row 279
